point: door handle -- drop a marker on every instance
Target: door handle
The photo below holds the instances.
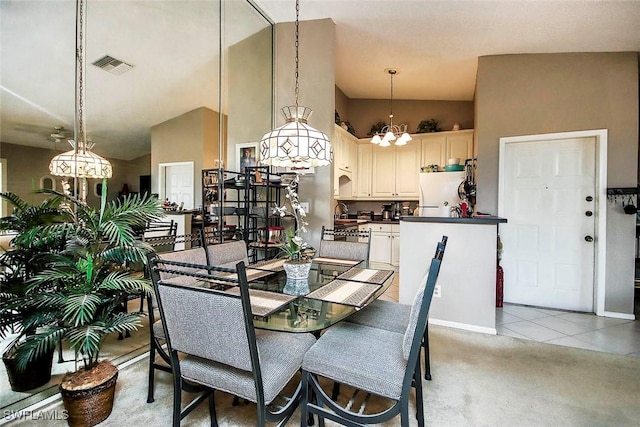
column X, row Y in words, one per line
column 588, row 238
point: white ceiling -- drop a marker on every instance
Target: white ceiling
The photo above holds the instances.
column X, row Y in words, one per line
column 172, row 44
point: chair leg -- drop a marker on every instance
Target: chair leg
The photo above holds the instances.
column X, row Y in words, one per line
column 304, row 399
column 212, row 410
column 152, row 358
column 417, row 379
column 427, row 362
column 177, row 400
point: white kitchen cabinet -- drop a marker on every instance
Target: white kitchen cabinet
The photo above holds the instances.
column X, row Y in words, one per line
column 395, row 171
column 363, row 177
column 345, row 155
column 385, row 243
column 439, row 147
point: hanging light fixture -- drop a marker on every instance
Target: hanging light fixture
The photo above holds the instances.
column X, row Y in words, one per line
column 80, row 162
column 296, row 144
column 397, row 133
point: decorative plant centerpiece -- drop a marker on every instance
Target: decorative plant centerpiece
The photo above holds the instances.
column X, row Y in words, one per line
column 298, row 263
column 431, row 125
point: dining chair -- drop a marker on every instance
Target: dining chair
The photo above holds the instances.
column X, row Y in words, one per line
column 372, row 360
column 329, row 247
column 162, row 235
column 157, row 338
column 394, row 317
column 227, row 254
column 214, row 346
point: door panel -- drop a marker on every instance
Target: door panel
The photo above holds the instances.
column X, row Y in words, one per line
column 546, row 260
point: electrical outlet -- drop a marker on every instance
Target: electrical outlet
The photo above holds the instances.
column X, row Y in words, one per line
column 437, row 292
column 305, row 206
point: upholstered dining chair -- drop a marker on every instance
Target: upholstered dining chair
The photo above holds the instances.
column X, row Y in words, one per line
column 329, row 247
column 393, row 317
column 214, row 346
column 345, row 354
column 227, row 254
column 157, row 339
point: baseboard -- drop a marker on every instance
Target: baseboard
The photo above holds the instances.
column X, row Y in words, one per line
column 617, row 315
column 466, row 327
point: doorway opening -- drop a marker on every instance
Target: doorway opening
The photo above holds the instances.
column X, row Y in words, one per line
column 176, row 183
column 552, row 190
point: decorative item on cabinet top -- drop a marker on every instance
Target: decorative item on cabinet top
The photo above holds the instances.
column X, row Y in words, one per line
column 431, row 125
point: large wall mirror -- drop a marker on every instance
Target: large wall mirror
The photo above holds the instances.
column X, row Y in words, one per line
column 185, row 55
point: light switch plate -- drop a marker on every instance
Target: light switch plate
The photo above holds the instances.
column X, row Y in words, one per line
column 437, row 292
column 305, row 206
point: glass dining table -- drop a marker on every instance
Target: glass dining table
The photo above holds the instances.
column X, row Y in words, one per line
column 335, row 289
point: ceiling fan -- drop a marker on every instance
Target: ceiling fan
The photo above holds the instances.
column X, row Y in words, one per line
column 59, row 134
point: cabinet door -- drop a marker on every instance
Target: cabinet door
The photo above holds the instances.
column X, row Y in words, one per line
column 380, row 248
column 460, row 146
column 383, row 172
column 363, row 176
column 395, row 249
column 433, row 150
column 407, row 170
column 351, row 149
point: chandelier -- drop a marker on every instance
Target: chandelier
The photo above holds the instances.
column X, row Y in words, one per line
column 397, row 133
column 296, row 144
column 80, row 162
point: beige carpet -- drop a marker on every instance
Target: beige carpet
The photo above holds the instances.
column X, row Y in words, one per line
column 478, row 380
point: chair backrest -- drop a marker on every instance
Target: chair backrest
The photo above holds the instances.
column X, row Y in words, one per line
column 420, row 309
column 194, row 256
column 227, row 254
column 343, row 249
column 161, row 236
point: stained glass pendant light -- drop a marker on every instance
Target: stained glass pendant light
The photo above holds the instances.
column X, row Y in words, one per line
column 296, row 144
column 80, row 162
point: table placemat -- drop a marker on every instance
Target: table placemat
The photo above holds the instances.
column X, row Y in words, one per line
column 252, row 274
column 345, row 292
column 270, row 264
column 264, row 303
column 337, row 261
column 367, row 275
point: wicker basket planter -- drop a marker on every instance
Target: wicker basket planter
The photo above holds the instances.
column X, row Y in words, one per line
column 88, row 395
column 37, row 374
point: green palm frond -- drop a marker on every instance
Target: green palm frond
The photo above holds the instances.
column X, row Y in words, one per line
column 37, row 345
column 80, row 309
column 124, row 322
column 124, row 282
column 86, row 339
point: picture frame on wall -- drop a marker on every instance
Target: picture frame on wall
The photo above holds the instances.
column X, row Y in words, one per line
column 247, row 154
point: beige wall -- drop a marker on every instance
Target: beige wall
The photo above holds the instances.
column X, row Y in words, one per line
column 363, row 113
column 317, row 89
column 342, row 104
column 192, row 136
column 26, row 165
column 545, row 93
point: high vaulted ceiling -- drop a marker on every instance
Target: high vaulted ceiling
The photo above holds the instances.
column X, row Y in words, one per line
column 435, row 45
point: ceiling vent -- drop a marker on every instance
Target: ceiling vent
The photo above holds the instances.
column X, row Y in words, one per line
column 112, row 65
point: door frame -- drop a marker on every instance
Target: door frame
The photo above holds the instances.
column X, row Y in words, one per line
column 600, row 234
column 162, row 178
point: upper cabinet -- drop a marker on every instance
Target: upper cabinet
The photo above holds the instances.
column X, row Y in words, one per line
column 395, row 171
column 366, row 171
column 345, row 160
column 438, row 148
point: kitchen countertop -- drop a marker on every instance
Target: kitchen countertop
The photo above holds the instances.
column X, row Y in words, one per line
column 347, row 223
column 484, row 219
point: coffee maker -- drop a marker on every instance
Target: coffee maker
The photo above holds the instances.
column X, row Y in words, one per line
column 387, row 211
column 397, row 211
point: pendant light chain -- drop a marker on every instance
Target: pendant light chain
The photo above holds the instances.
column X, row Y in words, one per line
column 391, row 73
column 80, row 143
column 297, row 74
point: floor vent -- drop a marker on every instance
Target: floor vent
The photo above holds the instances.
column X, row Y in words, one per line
column 112, row 65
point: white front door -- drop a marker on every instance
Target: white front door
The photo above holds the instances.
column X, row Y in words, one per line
column 178, row 184
column 549, row 199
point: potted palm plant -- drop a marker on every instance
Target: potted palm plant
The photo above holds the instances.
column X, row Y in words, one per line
column 21, row 262
column 81, row 291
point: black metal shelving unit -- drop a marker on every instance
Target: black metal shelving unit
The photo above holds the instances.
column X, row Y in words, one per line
column 250, row 198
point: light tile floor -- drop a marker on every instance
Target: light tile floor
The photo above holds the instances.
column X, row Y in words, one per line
column 570, row 329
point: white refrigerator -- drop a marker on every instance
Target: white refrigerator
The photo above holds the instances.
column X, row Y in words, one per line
column 436, row 188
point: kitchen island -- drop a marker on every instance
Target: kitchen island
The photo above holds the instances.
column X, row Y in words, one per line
column 465, row 294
